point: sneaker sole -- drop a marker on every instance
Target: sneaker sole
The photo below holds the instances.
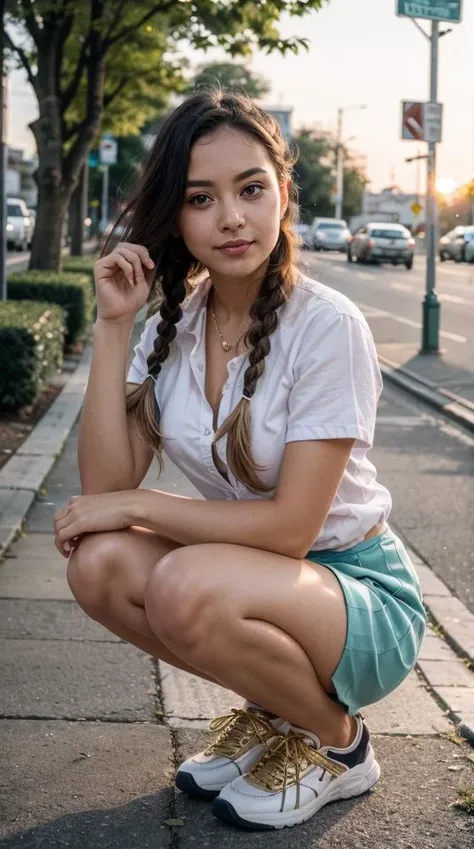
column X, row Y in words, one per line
column 363, row 778
column 184, row 781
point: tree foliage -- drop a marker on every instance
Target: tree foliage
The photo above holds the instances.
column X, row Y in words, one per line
column 315, row 176
column 230, row 75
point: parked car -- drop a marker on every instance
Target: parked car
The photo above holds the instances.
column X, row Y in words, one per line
column 453, row 244
column 470, row 251
column 382, row 242
column 19, row 224
column 328, row 234
column 302, row 230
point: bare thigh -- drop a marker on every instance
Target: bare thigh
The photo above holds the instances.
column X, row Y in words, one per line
column 206, row 590
column 108, row 573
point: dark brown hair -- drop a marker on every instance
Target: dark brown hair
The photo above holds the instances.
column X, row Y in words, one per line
column 150, row 218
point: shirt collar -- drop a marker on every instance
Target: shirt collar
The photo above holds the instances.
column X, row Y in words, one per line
column 194, row 306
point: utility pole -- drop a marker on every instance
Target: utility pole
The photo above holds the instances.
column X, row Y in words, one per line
column 431, row 306
column 3, row 162
column 340, row 165
column 340, row 158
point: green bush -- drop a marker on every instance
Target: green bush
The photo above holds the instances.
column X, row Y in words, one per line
column 31, row 348
column 81, row 264
column 69, row 290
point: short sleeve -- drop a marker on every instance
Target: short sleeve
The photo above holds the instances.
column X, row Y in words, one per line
column 337, row 382
column 138, row 368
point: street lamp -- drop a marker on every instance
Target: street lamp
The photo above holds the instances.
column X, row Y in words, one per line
column 340, row 157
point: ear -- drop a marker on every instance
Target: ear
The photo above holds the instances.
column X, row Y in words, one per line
column 284, row 197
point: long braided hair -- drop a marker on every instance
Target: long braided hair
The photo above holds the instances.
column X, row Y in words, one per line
column 150, row 219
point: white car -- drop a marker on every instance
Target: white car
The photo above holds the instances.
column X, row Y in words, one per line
column 329, row 234
column 19, row 224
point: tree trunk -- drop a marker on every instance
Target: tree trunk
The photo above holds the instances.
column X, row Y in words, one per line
column 46, row 249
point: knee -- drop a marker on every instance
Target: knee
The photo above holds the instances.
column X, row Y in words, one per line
column 180, row 608
column 91, row 568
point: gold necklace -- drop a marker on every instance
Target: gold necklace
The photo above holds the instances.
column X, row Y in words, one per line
column 225, row 345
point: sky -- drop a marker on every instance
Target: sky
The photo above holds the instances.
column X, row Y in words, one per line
column 360, row 53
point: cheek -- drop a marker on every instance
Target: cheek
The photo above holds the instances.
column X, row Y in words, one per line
column 196, row 230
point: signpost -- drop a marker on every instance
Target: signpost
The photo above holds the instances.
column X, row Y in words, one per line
column 432, row 10
column 423, row 122
column 107, row 156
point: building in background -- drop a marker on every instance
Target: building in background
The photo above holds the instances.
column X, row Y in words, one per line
column 283, row 115
column 19, row 177
column 390, row 205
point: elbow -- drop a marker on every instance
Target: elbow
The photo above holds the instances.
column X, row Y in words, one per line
column 297, row 543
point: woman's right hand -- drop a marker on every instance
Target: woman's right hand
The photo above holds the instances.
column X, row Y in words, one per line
column 122, row 281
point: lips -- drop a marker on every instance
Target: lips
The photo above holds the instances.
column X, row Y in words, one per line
column 237, row 244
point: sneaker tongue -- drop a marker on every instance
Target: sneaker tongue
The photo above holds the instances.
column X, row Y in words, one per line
column 308, row 736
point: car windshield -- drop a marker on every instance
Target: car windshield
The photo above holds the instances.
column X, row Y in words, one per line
column 330, row 226
column 382, row 233
column 14, row 209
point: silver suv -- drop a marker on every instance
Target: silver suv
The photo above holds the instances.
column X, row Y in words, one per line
column 382, row 243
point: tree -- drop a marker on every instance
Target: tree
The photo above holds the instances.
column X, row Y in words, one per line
column 313, row 175
column 65, row 47
column 230, row 75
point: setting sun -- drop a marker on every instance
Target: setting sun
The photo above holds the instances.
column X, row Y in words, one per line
column 445, row 185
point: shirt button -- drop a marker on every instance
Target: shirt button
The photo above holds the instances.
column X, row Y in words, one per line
column 207, row 432
column 200, row 366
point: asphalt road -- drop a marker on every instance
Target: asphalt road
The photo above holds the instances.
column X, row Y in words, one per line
column 391, row 299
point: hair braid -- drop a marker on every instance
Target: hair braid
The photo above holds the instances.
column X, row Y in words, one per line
column 273, row 294
column 143, row 399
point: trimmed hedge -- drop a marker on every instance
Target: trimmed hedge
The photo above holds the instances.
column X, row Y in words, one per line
column 82, row 265
column 69, row 290
column 31, row 348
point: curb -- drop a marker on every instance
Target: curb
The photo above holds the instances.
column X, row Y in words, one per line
column 449, row 669
column 457, row 408
column 25, row 472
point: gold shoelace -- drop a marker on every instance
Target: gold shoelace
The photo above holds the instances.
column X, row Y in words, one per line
column 236, row 729
column 286, row 761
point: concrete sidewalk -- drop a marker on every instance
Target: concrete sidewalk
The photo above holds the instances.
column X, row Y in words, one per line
column 91, row 730
column 434, row 379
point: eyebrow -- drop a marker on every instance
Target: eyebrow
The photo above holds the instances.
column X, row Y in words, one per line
column 249, row 173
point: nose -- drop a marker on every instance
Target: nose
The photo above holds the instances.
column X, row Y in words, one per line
column 231, row 217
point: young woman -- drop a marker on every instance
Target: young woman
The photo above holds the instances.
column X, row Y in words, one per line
column 284, row 584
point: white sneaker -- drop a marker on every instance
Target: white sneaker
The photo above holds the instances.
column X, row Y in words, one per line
column 295, row 779
column 242, row 738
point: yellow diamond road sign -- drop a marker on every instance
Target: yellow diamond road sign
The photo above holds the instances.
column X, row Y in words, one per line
column 416, row 208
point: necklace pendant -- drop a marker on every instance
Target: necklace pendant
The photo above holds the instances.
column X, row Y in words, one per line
column 226, row 346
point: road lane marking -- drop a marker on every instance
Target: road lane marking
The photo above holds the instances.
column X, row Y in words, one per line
column 402, row 287
column 363, row 275
column 454, row 299
column 454, row 337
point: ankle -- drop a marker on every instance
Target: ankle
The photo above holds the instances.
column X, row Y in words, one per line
column 343, row 737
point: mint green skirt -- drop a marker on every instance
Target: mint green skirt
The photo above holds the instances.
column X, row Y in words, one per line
column 385, row 618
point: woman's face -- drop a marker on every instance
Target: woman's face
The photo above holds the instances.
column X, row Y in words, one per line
column 232, row 195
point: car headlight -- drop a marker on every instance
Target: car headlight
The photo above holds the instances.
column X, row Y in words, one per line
column 9, row 228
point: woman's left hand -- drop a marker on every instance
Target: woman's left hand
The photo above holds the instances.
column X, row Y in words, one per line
column 86, row 514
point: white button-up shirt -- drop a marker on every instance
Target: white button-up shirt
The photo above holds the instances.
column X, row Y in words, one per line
column 321, row 381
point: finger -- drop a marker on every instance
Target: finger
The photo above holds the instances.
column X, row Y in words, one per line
column 136, row 261
column 127, row 267
column 61, row 547
column 141, row 250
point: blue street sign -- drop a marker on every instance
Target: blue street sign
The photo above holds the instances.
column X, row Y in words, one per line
column 93, row 158
column 433, row 10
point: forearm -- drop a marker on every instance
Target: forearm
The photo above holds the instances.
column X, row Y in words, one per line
column 191, row 521
column 104, row 451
